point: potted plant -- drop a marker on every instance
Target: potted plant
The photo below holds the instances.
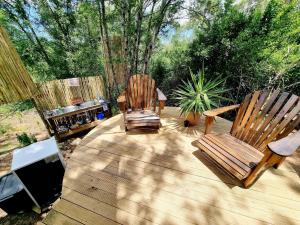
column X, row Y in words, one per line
column 197, row 95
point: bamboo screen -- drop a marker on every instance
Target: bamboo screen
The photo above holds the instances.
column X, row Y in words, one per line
column 15, row 82
column 59, row 93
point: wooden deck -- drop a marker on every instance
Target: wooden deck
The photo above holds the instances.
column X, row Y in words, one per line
column 160, row 178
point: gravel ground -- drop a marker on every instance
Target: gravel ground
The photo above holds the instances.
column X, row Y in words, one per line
column 29, row 122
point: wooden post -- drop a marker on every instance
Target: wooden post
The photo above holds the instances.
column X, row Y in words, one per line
column 41, row 116
column 161, row 106
column 208, row 124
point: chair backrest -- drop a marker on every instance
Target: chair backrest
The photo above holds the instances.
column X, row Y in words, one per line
column 266, row 116
column 141, row 92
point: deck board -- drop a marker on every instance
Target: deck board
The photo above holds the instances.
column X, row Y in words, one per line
column 161, row 178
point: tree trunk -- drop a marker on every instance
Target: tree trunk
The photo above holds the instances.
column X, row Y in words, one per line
column 138, row 36
column 107, row 42
column 149, row 48
column 125, row 41
column 107, row 82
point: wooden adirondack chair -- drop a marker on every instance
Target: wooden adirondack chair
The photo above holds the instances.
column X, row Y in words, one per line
column 138, row 103
column 259, row 135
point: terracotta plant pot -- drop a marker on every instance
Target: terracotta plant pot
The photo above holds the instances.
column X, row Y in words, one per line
column 193, row 118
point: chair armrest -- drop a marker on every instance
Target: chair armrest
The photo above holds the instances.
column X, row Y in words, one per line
column 161, row 96
column 286, row 146
column 215, row 112
column 122, row 101
column 210, row 114
column 122, row 97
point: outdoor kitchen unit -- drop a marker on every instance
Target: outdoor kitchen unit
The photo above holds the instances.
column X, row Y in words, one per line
column 73, row 119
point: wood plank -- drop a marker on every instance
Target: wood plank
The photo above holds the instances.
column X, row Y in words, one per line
column 231, row 155
column 172, row 196
column 247, row 113
column 160, row 177
column 248, row 150
column 57, row 218
column 268, row 118
column 184, row 187
column 81, row 214
column 216, row 112
column 240, row 115
column 100, row 208
column 146, row 78
column 138, row 83
column 281, row 126
column 239, row 151
column 188, row 168
column 128, row 203
column 222, row 160
column 269, row 102
column 261, row 101
column 81, row 128
column 277, row 119
column 142, row 91
column 169, row 202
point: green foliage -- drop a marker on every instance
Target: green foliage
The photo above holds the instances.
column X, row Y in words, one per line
column 197, row 95
column 16, row 107
column 4, row 128
column 253, row 48
column 24, row 139
column 171, row 64
column 55, row 39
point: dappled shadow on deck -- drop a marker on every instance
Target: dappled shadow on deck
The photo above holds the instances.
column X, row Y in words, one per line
column 160, row 178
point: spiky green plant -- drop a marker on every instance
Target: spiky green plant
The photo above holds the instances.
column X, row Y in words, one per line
column 198, row 95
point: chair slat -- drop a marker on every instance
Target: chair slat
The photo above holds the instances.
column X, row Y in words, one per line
column 265, row 108
column 240, row 114
column 276, row 120
column 278, row 129
column 267, row 118
column 226, row 163
column 288, row 129
column 145, row 78
column 237, row 164
column 131, row 92
column 148, row 93
column 134, row 77
column 223, row 141
column 152, row 93
column 263, row 97
column 248, row 113
column 140, row 91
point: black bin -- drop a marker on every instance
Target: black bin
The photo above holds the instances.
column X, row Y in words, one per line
column 13, row 197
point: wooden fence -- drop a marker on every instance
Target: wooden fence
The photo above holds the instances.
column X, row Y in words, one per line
column 59, row 93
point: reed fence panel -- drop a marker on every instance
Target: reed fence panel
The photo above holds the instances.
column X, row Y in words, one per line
column 58, row 93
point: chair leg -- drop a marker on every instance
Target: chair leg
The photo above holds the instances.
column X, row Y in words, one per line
column 279, row 162
column 208, row 124
column 257, row 171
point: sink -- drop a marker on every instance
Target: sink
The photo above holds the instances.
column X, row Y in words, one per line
column 70, row 108
column 87, row 104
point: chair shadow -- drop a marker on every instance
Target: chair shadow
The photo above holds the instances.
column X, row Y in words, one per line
column 141, row 131
column 225, row 177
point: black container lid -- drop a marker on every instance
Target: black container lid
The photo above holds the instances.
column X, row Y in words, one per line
column 9, row 185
